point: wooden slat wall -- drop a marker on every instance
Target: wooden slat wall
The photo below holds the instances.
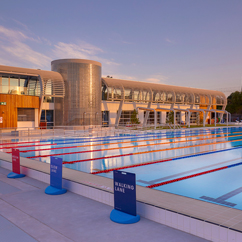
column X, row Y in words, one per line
column 9, row 112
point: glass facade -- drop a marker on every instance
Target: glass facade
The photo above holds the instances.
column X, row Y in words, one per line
column 19, row 84
column 47, row 116
column 133, row 91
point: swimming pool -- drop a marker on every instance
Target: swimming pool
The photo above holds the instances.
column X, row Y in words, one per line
column 202, row 164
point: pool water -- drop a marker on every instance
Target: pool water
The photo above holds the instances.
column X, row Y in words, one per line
column 202, row 164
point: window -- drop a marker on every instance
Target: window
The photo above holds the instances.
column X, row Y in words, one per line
column 144, row 95
column 197, row 98
column 105, row 118
column 117, row 94
column 187, row 98
column 136, row 95
column 48, row 117
column 178, row 98
column 169, row 97
column 125, row 117
column 128, row 94
column 156, row 97
column 110, row 93
column 5, row 84
column 104, row 92
column 151, row 117
column 26, row 114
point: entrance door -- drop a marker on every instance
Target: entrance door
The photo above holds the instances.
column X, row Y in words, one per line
column 105, row 118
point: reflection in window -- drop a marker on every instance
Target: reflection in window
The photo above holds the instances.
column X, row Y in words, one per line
column 197, row 98
column 22, row 82
column 104, row 92
column 48, row 87
column 110, row 94
column 48, row 99
column 136, row 95
column 156, row 97
column 13, row 81
column 128, row 94
column 5, row 81
column 169, row 97
column 178, row 97
column 187, row 98
column 117, row 94
column 144, row 95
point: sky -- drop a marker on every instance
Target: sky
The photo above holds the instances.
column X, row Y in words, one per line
column 194, row 43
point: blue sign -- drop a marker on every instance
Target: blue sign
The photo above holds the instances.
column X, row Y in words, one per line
column 124, row 184
column 56, row 172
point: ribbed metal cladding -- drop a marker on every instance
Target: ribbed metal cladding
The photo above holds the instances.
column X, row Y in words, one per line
column 82, row 102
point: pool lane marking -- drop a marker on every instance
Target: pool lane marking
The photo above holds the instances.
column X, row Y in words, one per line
column 165, row 160
column 185, row 172
column 29, row 142
column 130, row 137
column 193, row 175
column 106, row 140
column 101, row 144
column 25, row 146
column 116, row 143
column 97, row 139
column 127, row 147
column 144, row 152
column 222, row 199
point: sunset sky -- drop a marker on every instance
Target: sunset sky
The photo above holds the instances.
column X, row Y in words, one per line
column 177, row 42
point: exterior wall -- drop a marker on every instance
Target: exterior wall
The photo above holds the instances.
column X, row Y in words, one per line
column 9, row 113
column 24, row 124
column 113, row 107
column 82, row 100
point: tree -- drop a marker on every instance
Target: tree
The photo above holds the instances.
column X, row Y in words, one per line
column 134, row 119
column 234, row 103
column 170, row 118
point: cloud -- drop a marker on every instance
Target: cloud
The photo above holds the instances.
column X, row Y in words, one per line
column 120, row 76
column 70, row 50
column 21, row 24
column 13, row 46
column 170, row 41
column 154, row 80
column 9, row 34
column 25, row 53
column 82, row 50
column 158, row 78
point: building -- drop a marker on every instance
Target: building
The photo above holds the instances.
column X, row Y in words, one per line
column 74, row 93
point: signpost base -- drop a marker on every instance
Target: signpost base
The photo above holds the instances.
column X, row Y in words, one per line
column 15, row 175
column 54, row 191
column 123, row 218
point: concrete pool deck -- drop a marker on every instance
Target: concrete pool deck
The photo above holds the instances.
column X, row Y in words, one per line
column 27, row 214
column 205, row 220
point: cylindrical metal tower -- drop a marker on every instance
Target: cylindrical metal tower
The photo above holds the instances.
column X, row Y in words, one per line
column 82, row 102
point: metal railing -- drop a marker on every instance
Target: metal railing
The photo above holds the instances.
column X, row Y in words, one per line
column 74, row 131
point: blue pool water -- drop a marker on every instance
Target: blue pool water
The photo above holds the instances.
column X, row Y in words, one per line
column 170, row 155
